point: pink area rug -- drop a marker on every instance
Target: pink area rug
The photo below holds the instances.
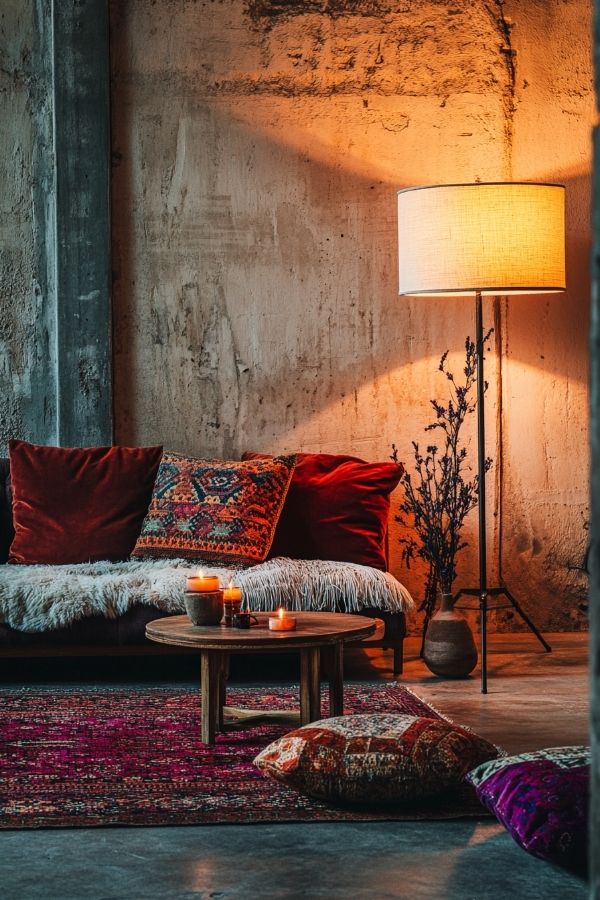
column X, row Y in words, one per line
column 134, row 757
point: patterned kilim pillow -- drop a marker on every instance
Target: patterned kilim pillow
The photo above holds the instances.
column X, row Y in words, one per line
column 215, row 510
column 374, row 758
column 541, row 798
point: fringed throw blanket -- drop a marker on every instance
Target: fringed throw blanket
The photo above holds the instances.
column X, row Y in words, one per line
column 40, row 598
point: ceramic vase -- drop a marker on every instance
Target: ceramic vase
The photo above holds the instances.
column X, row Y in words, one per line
column 449, row 649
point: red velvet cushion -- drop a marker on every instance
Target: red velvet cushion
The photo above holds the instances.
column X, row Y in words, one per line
column 78, row 505
column 337, row 508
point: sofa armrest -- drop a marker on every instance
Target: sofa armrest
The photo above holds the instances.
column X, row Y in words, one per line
column 6, row 518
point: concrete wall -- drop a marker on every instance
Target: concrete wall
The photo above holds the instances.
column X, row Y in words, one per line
column 545, row 339
column 258, row 147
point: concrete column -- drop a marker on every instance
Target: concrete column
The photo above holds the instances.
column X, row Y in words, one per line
column 27, row 236
column 81, row 87
column 55, row 278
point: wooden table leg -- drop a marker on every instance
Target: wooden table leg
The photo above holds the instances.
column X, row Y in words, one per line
column 336, row 680
column 210, row 671
column 310, row 685
column 223, row 676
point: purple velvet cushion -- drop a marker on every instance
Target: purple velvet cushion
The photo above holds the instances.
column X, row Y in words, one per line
column 541, row 798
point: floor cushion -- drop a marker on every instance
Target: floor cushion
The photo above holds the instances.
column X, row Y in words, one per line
column 541, row 798
column 215, row 510
column 76, row 505
column 337, row 508
column 374, row 758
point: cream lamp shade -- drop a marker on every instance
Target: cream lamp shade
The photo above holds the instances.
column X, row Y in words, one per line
column 491, row 238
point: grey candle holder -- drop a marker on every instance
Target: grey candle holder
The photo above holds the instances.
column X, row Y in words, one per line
column 204, row 607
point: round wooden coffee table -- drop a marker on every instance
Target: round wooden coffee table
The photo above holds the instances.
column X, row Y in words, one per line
column 315, row 632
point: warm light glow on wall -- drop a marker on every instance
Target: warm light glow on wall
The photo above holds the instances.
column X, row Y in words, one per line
column 500, row 238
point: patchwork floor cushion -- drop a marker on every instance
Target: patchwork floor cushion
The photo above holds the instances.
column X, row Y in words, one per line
column 374, row 758
column 541, row 798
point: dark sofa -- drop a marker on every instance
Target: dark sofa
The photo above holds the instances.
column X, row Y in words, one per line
column 100, row 636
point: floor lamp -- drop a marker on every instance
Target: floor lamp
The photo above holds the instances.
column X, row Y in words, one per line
column 492, row 239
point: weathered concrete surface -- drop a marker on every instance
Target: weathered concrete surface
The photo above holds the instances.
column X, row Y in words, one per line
column 27, row 324
column 257, row 151
column 83, row 273
column 545, row 339
column 55, row 322
column 383, row 860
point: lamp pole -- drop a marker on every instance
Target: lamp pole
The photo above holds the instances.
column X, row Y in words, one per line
column 483, row 591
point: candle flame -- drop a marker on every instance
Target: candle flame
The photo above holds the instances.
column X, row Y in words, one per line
column 200, row 573
column 230, row 585
column 281, row 612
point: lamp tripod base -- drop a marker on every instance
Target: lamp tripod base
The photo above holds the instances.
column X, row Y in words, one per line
column 484, row 608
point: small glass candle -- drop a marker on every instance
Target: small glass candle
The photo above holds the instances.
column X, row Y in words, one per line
column 282, row 621
column 201, row 583
column 232, row 592
column 232, row 603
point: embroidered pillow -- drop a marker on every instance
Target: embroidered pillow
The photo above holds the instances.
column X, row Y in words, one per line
column 78, row 504
column 215, row 510
column 374, row 758
column 541, row 798
column 338, row 509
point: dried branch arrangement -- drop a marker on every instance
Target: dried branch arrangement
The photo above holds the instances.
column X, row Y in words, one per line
column 440, row 494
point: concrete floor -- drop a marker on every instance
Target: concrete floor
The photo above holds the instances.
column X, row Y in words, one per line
column 535, row 700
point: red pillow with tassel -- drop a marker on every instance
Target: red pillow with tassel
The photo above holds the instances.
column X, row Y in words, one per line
column 337, row 508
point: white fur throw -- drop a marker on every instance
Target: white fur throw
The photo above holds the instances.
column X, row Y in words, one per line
column 40, row 598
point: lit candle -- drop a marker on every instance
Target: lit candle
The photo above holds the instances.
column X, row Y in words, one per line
column 201, row 583
column 282, row 621
column 232, row 603
column 232, row 592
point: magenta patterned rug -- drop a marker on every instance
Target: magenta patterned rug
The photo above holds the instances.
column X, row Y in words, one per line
column 134, row 757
